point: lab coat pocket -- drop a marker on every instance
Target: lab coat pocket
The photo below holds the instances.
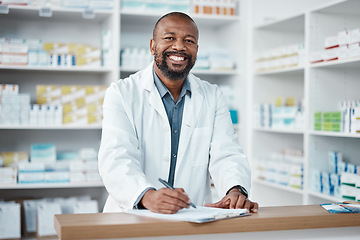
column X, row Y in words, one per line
column 199, row 146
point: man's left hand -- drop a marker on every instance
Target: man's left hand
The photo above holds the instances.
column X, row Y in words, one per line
column 234, row 199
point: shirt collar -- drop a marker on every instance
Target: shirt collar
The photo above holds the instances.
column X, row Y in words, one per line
column 163, row 89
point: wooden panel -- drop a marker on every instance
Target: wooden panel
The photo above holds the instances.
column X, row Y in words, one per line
column 122, row 225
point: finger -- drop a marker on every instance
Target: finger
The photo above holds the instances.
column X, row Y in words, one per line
column 223, row 203
column 247, row 205
column 240, row 202
column 180, row 190
column 169, row 200
column 175, row 197
column 255, row 207
column 180, row 195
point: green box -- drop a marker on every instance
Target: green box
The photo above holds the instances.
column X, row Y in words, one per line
column 336, row 127
column 318, row 126
column 327, row 126
column 327, row 116
column 318, row 116
column 336, row 116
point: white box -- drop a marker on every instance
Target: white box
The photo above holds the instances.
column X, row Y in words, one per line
column 45, row 218
column 331, row 54
column 355, row 35
column 10, row 221
column 354, row 50
column 343, row 38
column 90, row 206
column 30, row 210
column 31, row 177
column 331, row 42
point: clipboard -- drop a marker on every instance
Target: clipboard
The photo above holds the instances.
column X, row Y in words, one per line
column 199, row 214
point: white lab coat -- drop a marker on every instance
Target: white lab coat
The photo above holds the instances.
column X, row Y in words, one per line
column 136, row 142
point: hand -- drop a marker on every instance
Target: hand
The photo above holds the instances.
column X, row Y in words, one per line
column 165, row 200
column 234, row 199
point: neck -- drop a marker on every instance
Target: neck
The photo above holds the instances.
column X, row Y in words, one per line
column 174, row 86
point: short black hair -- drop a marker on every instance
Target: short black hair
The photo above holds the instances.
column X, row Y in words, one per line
column 174, row 14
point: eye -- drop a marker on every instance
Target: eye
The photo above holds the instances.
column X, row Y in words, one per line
column 189, row 41
column 169, row 38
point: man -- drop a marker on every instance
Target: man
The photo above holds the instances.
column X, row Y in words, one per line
column 163, row 122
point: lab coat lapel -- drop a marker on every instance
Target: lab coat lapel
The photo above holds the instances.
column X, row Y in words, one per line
column 154, row 96
column 191, row 115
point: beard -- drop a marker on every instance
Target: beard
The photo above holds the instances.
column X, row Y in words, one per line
column 160, row 61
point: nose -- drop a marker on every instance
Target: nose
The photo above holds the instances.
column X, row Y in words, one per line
column 179, row 45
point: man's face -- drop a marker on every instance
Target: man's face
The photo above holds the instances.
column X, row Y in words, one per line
column 175, row 46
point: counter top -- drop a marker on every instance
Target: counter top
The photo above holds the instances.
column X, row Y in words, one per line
column 123, row 225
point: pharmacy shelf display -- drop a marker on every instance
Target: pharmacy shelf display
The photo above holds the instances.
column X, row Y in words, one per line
column 324, row 82
column 68, row 28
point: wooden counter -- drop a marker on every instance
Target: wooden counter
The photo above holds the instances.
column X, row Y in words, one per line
column 122, row 225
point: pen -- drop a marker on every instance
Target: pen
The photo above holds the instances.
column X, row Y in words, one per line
column 166, row 184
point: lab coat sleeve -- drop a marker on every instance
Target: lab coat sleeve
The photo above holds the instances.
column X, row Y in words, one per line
column 228, row 165
column 119, row 154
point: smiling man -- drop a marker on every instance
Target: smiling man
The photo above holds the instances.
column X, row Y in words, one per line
column 163, row 122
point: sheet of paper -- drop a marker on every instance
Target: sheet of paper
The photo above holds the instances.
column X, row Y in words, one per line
column 198, row 215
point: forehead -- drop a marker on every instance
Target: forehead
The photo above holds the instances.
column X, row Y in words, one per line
column 177, row 25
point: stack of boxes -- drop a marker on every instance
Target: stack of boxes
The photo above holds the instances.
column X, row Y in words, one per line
column 8, row 166
column 285, row 168
column 38, row 214
column 155, row 6
column 346, row 120
column 82, row 105
column 135, row 58
column 48, row 166
column 344, row 45
column 280, row 58
column 215, row 7
column 33, row 52
column 342, row 179
column 92, row 4
column 215, row 59
column 13, row 51
column 56, row 105
column 14, row 107
column 62, row 54
column 328, row 121
column 279, row 115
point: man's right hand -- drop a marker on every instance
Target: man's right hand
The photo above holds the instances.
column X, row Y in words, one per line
column 165, row 200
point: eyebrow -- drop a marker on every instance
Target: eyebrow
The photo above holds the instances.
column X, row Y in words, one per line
column 172, row 33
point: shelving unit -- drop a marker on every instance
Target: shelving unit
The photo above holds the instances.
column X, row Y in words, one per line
column 129, row 29
column 63, row 26
column 321, row 85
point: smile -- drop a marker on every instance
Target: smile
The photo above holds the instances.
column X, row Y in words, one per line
column 177, row 59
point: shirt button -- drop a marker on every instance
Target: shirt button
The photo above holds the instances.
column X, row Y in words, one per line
column 174, row 155
column 175, row 131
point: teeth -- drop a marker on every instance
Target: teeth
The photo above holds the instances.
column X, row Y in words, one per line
column 176, row 58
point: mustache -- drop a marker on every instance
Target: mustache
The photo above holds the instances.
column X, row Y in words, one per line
column 188, row 56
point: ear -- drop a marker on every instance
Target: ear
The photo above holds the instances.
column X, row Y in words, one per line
column 152, row 46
